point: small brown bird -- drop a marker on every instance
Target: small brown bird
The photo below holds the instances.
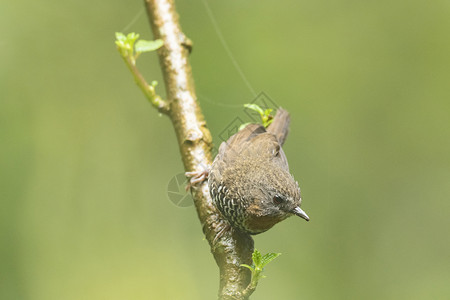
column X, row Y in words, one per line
column 249, row 180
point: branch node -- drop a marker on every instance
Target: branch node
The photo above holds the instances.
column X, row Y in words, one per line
column 186, row 42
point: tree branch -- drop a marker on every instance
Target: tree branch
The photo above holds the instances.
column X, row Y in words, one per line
column 233, row 248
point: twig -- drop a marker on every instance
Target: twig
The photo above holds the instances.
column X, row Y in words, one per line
column 148, row 90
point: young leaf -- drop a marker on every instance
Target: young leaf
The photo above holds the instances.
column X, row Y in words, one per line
column 121, row 37
column 267, row 258
column 125, row 44
column 266, row 117
column 268, row 111
column 256, row 256
column 248, row 267
column 147, row 46
column 132, row 37
column 255, row 107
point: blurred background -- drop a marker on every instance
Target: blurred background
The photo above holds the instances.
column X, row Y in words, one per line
column 85, row 161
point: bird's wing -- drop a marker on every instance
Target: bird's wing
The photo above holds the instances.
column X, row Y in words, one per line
column 253, row 141
column 232, row 148
column 267, row 148
column 229, row 150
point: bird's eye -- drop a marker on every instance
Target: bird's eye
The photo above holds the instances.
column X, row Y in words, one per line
column 277, row 200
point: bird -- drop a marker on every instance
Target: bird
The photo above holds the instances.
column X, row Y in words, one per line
column 249, row 180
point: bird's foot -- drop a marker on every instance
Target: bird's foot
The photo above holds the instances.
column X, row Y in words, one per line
column 196, row 177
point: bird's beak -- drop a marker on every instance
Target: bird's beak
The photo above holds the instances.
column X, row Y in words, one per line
column 299, row 212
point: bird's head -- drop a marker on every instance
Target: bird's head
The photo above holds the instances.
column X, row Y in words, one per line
column 278, row 195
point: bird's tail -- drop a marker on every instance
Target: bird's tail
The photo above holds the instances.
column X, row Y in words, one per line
column 280, row 125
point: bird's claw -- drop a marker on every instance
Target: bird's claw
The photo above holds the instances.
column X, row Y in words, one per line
column 196, row 177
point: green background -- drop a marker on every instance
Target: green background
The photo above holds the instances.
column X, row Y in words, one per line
column 85, row 161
